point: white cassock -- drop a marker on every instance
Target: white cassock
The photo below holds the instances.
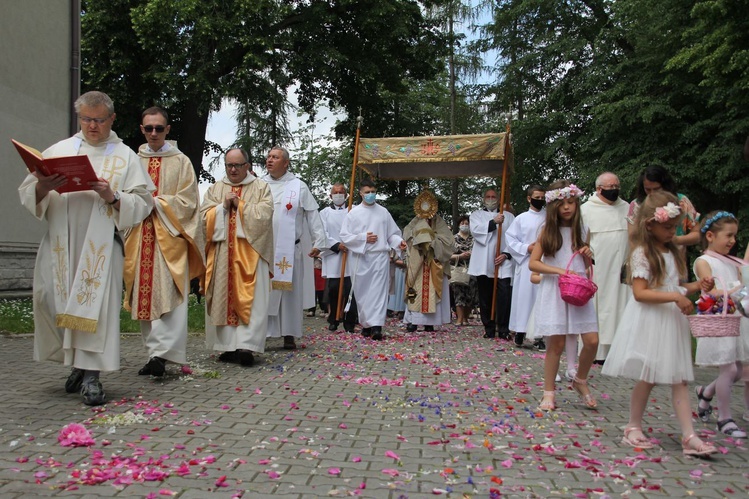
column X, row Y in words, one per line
column 485, row 245
column 371, row 261
column 286, row 307
column 610, row 246
column 332, row 219
column 74, row 274
column 523, row 232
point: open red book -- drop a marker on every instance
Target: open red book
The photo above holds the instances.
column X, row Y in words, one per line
column 77, row 169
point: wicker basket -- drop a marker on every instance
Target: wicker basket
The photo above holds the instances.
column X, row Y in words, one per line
column 716, row 325
column 576, row 290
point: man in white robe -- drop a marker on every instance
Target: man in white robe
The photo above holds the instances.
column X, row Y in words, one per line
column 164, row 252
column 79, row 265
column 237, row 214
column 295, row 211
column 332, row 218
column 484, row 260
column 605, row 214
column 369, row 232
column 430, row 247
column 521, row 238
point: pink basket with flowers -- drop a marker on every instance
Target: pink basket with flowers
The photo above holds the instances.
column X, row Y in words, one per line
column 716, row 316
column 576, row 290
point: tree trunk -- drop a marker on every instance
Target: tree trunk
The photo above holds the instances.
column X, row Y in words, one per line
column 192, row 141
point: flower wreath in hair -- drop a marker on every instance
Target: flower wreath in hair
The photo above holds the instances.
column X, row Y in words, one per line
column 571, row 191
column 715, row 218
column 666, row 213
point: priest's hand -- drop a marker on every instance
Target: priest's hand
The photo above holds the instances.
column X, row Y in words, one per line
column 46, row 184
column 499, row 218
column 403, row 246
column 342, row 247
column 499, row 260
column 314, row 253
column 371, row 238
column 231, row 200
column 101, row 187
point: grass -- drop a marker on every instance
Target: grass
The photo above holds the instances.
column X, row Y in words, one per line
column 17, row 317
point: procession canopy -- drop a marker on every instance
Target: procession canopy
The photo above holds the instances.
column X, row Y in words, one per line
column 445, row 156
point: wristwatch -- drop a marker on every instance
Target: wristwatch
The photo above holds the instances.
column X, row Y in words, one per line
column 116, row 198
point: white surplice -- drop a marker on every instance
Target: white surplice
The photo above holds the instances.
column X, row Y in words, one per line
column 286, row 308
column 332, row 219
column 485, row 245
column 370, row 264
column 610, row 246
column 523, row 231
column 114, row 161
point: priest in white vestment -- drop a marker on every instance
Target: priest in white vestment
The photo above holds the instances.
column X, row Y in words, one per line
column 430, row 247
column 484, row 227
column 521, row 238
column 332, row 257
column 79, row 265
column 237, row 214
column 164, row 252
column 605, row 214
column 369, row 232
column 295, row 211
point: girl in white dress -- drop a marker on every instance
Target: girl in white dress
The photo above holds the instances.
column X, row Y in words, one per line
column 718, row 234
column 652, row 345
column 562, row 234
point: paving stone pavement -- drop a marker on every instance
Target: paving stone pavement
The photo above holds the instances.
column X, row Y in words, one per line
column 419, row 414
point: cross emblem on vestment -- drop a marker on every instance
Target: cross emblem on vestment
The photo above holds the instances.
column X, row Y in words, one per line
column 283, row 265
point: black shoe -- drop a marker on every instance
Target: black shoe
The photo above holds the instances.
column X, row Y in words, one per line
column 519, row 337
column 504, row 335
column 74, row 381
column 540, row 345
column 348, row 327
column 377, row 333
column 411, row 328
column 93, row 392
column 156, row 366
column 333, row 326
column 489, row 334
column 230, row 356
column 599, row 362
column 289, row 343
column 366, row 332
column 704, row 414
column 429, row 328
column 245, row 358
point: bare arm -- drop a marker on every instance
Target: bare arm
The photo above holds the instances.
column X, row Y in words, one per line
column 536, row 265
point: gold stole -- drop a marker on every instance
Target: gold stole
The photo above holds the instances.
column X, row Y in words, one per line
column 242, row 260
column 148, row 247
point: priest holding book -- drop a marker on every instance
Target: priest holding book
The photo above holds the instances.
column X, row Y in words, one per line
column 79, row 265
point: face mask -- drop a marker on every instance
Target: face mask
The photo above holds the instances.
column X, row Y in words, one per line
column 338, row 199
column 491, row 204
column 610, row 194
column 370, row 197
column 464, row 229
column 538, row 203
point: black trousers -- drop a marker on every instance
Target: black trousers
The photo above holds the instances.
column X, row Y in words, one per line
column 351, row 317
column 502, row 305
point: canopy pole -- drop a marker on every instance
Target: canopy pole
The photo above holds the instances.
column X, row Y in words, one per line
column 503, row 191
column 352, row 185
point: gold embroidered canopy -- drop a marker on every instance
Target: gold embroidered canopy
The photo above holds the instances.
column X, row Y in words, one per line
column 401, row 158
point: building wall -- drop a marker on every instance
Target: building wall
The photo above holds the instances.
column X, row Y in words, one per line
column 35, row 60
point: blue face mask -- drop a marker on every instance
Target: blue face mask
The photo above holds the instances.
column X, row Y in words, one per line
column 370, row 197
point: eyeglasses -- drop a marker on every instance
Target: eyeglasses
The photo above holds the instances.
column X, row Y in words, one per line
column 99, row 121
column 234, row 166
column 151, row 128
column 609, row 187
